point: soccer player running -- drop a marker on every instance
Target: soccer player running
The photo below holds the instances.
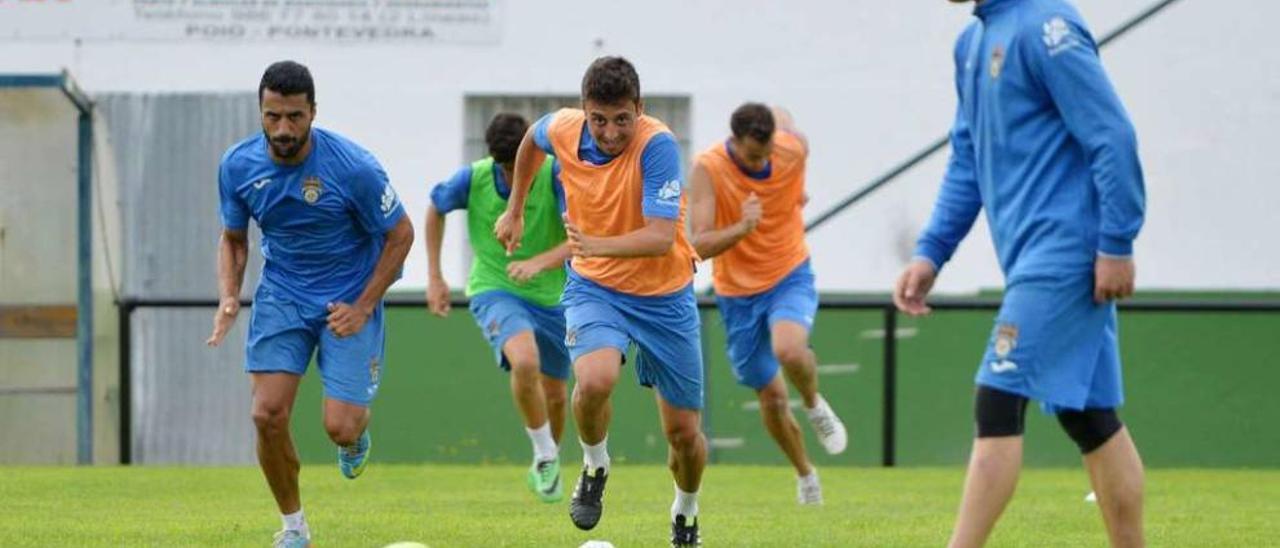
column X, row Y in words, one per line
column 1042, row 143
column 746, row 200
column 334, row 237
column 630, row 281
column 515, row 298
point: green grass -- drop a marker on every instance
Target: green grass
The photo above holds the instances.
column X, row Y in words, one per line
column 489, row 506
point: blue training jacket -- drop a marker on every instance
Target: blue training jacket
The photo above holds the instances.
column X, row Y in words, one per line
column 1041, row 142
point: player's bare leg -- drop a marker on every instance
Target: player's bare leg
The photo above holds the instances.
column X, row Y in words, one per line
column 273, row 395
column 800, row 364
column 527, row 389
column 596, row 374
column 775, row 411
column 347, row 425
column 557, row 394
column 1115, row 471
column 521, row 352
column 687, row 458
column 993, row 474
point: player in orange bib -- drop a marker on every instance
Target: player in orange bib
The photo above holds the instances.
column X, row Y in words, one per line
column 630, row 281
column 746, row 195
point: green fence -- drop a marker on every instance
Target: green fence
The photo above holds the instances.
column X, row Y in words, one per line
column 1199, row 387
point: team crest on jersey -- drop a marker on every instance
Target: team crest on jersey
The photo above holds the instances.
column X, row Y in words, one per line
column 493, row 328
column 1006, row 340
column 997, row 62
column 311, row 189
column 571, row 337
column 375, row 371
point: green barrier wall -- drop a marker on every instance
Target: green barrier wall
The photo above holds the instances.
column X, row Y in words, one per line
column 1199, row 388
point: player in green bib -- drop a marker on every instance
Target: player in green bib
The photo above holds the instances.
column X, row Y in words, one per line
column 515, row 299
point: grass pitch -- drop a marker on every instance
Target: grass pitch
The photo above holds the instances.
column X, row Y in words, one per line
column 490, row 506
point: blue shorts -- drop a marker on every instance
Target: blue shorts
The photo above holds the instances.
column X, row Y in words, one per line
column 748, row 320
column 283, row 335
column 1053, row 344
column 502, row 315
column 665, row 330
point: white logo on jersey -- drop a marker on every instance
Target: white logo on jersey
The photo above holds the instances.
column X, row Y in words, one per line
column 670, row 191
column 1003, row 366
column 389, row 200
column 1058, row 37
column 258, row 185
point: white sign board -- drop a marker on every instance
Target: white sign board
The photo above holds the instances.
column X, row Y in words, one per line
column 341, row 21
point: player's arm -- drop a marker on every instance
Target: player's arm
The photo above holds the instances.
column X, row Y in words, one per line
column 660, row 204
column 376, row 207
column 783, row 121
column 445, row 197
column 652, row 240
column 551, row 259
column 437, row 287
column 1062, row 55
column 395, row 248
column 233, row 254
column 509, row 228
column 707, row 239
column 954, row 212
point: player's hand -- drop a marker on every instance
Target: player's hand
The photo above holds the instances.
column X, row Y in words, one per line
column 438, row 296
column 580, row 244
column 223, row 319
column 509, row 230
column 751, row 212
column 913, row 286
column 1112, row 278
column 522, row 271
column 346, row 320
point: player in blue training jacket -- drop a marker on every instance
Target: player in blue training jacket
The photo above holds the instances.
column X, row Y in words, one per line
column 334, row 237
column 1042, row 143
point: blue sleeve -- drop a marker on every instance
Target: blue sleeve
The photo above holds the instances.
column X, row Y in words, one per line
column 454, row 192
column 540, row 136
column 663, row 184
column 958, row 203
column 372, row 198
column 1061, row 53
column 558, row 187
column 234, row 211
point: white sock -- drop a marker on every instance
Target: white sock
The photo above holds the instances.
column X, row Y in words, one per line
column 544, row 447
column 596, row 456
column 686, row 504
column 296, row 522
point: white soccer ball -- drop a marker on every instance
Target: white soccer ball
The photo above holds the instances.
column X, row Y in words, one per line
column 1091, row 497
column 596, row 544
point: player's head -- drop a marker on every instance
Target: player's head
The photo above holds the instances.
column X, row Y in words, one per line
column 611, row 101
column 503, row 137
column 753, row 126
column 287, row 99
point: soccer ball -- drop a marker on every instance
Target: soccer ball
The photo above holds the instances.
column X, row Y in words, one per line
column 596, row 544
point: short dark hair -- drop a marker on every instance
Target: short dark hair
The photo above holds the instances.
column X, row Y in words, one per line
column 610, row 81
column 288, row 78
column 503, row 136
column 753, row 120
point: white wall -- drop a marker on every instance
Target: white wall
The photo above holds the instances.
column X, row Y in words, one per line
column 870, row 82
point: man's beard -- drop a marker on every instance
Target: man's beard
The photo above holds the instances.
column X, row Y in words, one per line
column 286, row 148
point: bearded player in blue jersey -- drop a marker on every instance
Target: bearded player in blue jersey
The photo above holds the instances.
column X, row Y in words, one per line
column 1043, row 145
column 334, row 238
